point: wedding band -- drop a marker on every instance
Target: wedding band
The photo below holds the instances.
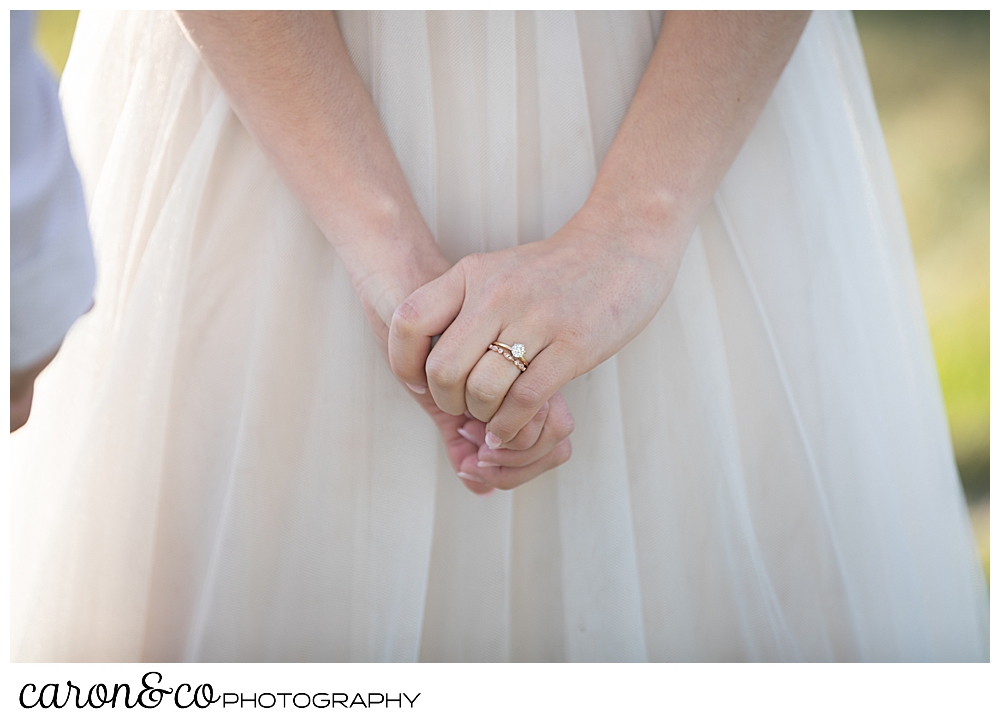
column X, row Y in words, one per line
column 514, row 353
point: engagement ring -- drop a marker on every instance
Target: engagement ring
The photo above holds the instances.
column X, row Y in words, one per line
column 514, row 353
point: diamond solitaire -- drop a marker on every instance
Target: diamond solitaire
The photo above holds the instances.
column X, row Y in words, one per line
column 513, row 353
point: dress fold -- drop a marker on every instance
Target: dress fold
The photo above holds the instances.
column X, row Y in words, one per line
column 220, row 465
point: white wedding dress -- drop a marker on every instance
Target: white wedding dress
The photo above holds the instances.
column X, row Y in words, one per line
column 220, row 465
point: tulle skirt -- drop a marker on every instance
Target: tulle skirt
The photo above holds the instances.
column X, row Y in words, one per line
column 220, row 465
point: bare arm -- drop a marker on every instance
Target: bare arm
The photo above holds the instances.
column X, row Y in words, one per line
column 708, row 80
column 290, row 80
column 576, row 298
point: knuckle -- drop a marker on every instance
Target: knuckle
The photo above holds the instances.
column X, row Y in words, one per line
column 525, row 395
column 442, row 373
column 483, row 390
column 502, row 427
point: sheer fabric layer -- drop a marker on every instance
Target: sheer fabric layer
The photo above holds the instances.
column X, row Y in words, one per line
column 220, row 466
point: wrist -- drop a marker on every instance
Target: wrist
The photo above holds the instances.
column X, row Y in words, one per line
column 388, row 264
column 385, row 284
column 648, row 225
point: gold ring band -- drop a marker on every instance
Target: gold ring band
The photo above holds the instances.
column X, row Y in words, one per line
column 508, row 353
column 517, row 351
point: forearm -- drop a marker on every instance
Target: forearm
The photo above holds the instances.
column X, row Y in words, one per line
column 706, row 83
column 290, row 80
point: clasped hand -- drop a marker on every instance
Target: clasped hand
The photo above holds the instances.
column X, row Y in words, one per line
column 572, row 300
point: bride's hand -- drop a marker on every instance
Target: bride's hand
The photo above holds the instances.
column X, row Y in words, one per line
column 540, row 446
column 289, row 78
column 577, row 297
column 543, row 444
column 572, row 300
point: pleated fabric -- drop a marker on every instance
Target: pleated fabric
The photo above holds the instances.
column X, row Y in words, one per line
column 220, row 466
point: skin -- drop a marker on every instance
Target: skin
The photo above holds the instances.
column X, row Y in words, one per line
column 288, row 77
column 586, row 291
column 22, row 389
column 583, row 293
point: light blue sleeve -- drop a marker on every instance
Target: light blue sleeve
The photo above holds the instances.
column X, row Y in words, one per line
column 52, row 269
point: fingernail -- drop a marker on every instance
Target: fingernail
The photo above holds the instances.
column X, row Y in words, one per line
column 487, row 464
column 468, row 437
column 417, row 389
column 470, row 477
column 493, row 441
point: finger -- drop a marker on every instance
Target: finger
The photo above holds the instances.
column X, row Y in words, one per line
column 528, row 436
column 558, row 426
column 487, row 384
column 474, row 431
column 462, row 342
column 558, row 421
column 458, row 351
column 458, row 446
column 506, row 478
column 472, row 482
column 496, row 371
column 424, row 314
column 546, row 375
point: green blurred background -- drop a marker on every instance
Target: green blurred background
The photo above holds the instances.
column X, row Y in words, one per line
column 930, row 73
